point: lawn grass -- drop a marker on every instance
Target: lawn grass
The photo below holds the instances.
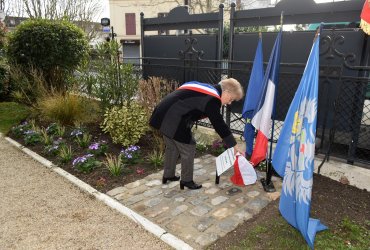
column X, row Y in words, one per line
column 278, row 234
column 11, row 113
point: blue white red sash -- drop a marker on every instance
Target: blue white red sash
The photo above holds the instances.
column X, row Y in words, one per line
column 202, row 88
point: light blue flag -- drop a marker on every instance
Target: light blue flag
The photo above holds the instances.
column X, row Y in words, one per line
column 295, row 151
column 252, row 96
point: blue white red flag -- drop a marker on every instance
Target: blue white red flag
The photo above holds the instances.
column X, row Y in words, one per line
column 251, row 99
column 262, row 115
column 295, row 151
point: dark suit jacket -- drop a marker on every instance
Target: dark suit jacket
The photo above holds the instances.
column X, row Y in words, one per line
column 175, row 115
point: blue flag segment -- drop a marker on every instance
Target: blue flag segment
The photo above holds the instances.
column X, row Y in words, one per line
column 252, row 95
column 295, row 151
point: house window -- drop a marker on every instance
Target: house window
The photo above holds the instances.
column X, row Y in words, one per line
column 130, row 24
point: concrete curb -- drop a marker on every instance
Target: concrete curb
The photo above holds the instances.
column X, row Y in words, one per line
column 151, row 227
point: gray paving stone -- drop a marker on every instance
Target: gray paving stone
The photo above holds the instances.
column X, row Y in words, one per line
column 228, row 225
column 122, row 196
column 196, row 160
column 222, row 213
column 200, row 210
column 243, row 215
column 218, row 200
column 180, row 199
column 253, row 194
column 199, row 200
column 240, row 200
column 197, row 166
column 152, row 192
column 153, row 183
column 171, row 193
column 192, row 193
column 173, row 184
column 212, row 190
column 133, row 184
column 207, row 185
column 156, row 212
column 212, row 173
column 137, row 190
column 206, row 239
column 152, row 202
column 225, row 184
column 203, row 223
column 256, row 205
column 116, row 191
column 178, row 210
column 133, row 200
column 200, row 172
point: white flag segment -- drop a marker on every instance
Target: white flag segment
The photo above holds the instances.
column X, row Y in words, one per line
column 262, row 120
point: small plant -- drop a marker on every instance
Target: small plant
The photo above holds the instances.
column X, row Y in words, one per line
column 55, row 147
column 98, row 148
column 31, row 137
column 61, row 130
column 65, row 153
column 130, row 155
column 86, row 163
column 201, row 147
column 77, row 132
column 46, row 138
column 83, row 141
column 156, row 158
column 52, row 129
column 19, row 130
column 218, row 147
column 114, row 164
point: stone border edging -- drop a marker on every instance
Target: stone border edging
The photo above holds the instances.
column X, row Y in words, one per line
column 151, row 227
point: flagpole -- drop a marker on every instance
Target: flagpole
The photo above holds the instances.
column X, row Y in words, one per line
column 267, row 183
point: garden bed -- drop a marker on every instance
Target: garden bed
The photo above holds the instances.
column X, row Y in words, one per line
column 343, row 208
column 100, row 177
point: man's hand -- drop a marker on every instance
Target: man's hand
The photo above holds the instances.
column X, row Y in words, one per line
column 237, row 150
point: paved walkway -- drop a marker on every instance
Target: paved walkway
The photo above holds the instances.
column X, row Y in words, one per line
column 41, row 210
column 199, row 217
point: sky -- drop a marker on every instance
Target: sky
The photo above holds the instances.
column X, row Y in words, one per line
column 105, row 12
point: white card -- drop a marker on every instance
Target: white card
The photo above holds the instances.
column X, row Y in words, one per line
column 225, row 161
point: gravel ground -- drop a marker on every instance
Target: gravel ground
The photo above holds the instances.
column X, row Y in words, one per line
column 41, row 210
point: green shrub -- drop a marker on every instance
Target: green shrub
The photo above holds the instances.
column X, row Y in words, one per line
column 112, row 82
column 67, row 109
column 54, row 47
column 125, row 124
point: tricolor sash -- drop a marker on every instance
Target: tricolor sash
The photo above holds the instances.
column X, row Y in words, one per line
column 202, row 88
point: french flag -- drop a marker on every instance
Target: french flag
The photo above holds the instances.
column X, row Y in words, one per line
column 262, row 115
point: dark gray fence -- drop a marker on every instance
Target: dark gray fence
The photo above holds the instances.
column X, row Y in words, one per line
column 344, row 99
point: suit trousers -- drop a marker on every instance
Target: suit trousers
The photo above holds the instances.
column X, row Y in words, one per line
column 174, row 149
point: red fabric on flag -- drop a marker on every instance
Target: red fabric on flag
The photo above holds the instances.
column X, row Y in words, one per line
column 365, row 18
column 260, row 149
column 237, row 178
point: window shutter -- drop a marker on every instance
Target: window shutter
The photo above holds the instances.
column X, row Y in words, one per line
column 130, row 24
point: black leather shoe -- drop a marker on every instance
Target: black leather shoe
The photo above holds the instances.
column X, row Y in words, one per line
column 190, row 185
column 175, row 178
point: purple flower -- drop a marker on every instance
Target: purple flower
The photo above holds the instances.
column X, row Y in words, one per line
column 76, row 132
column 81, row 159
column 29, row 132
column 94, row 146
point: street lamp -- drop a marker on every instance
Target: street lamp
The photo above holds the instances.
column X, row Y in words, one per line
column 105, row 22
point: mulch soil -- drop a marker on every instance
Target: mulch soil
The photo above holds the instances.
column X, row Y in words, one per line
column 332, row 201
